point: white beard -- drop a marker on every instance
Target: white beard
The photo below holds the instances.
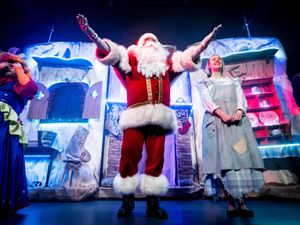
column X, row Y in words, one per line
column 152, row 60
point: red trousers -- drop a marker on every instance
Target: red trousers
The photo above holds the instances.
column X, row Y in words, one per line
column 132, row 148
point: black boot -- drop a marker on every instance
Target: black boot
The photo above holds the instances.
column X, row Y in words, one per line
column 232, row 211
column 244, row 211
column 127, row 206
column 153, row 209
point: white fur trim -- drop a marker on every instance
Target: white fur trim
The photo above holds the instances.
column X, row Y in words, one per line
column 126, row 185
column 124, row 61
column 144, row 36
column 133, row 50
column 183, row 61
column 117, row 54
column 187, row 59
column 150, row 185
column 149, row 114
column 176, row 62
column 113, row 56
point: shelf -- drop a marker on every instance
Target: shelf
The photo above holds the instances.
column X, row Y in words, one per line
column 260, row 109
column 274, row 137
column 263, row 81
column 263, row 126
column 259, row 95
column 262, row 98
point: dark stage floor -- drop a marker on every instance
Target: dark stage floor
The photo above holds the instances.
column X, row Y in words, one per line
column 192, row 212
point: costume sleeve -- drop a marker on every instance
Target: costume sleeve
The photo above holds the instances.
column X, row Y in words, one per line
column 206, row 100
column 241, row 99
column 117, row 56
column 183, row 61
column 27, row 91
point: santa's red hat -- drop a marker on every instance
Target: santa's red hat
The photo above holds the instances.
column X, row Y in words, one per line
column 144, row 37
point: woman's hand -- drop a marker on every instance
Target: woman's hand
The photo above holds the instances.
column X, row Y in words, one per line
column 18, row 66
column 223, row 116
column 226, row 118
column 237, row 116
column 23, row 77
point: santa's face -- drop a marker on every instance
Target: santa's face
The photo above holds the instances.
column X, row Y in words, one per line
column 149, row 41
column 152, row 58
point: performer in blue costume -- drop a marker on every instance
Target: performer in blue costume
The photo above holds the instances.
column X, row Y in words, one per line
column 16, row 88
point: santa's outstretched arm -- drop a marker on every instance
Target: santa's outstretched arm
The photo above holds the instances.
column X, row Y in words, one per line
column 93, row 36
column 204, row 43
column 107, row 52
column 186, row 60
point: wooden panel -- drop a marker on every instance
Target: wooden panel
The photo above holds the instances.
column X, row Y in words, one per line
column 92, row 102
column 39, row 104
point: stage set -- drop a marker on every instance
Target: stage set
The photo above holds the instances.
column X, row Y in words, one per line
column 74, row 138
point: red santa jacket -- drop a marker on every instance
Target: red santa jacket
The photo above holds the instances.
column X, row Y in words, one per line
column 148, row 99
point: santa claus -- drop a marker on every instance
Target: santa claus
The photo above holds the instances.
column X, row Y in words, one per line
column 146, row 72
